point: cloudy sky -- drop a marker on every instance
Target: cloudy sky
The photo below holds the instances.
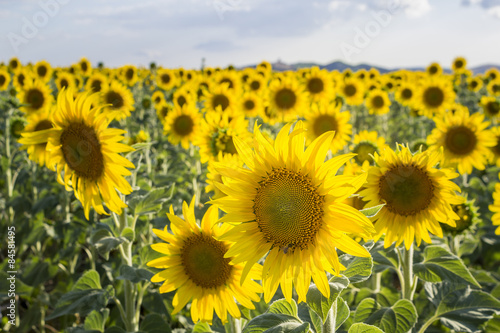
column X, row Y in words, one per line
column 174, row 33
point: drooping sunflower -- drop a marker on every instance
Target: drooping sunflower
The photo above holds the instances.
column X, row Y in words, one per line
column 118, row 99
column 286, row 98
column 434, row 69
column 287, row 204
column 378, row 102
column 459, row 65
column 38, row 121
column 86, row 153
column 36, row 95
column 318, row 84
column 491, row 106
column 196, row 265
column 219, row 96
column 166, row 79
column 4, row 79
column 352, row 90
column 43, row 70
column 96, row 82
column 417, row 196
column 182, row 124
column 217, row 135
column 464, row 139
column 324, row 117
column 365, row 144
column 434, row 97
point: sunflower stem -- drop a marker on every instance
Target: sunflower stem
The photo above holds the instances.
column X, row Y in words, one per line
column 408, row 287
column 330, row 323
column 8, row 172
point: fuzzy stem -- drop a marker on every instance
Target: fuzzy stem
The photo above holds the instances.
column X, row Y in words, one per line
column 408, row 287
column 330, row 323
column 235, row 324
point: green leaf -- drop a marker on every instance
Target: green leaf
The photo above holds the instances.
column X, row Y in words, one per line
column 358, row 269
column 104, row 242
column 459, row 307
column 150, row 202
column 134, row 274
column 319, row 303
column 441, row 265
column 290, row 328
column 399, row 318
column 372, row 211
column 364, row 328
column 128, row 234
column 82, row 301
column 384, row 258
column 96, row 320
column 202, row 327
column 154, row 323
column 89, row 280
column 283, row 307
column 343, row 312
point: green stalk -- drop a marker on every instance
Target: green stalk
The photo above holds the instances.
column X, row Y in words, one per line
column 8, row 172
column 330, row 323
column 409, row 285
column 235, row 324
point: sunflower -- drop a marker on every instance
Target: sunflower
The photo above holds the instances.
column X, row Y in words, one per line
column 378, row 102
column 417, row 196
column 219, row 96
column 118, row 99
column 366, row 144
column 231, row 78
column 158, row 98
column 166, row 79
column 353, row 91
column 183, row 96
column 217, row 135
column 65, row 80
column 35, row 95
column 38, row 121
column 14, row 65
column 468, row 214
column 4, row 79
column 491, row 106
column 163, row 110
column 251, row 104
column 84, row 67
column 494, row 155
column 325, row 117
column 43, row 70
column 287, row 204
column 318, row 84
column 492, row 74
column 495, row 208
column 405, row 94
column 459, row 65
column 265, row 67
column 256, row 83
column 129, row 75
column 196, row 265
column 85, row 153
column 286, row 98
column 494, row 88
column 96, row 82
column 434, row 97
column 213, row 176
column 181, row 125
column 474, row 84
column 434, row 69
column 464, row 138
column 20, row 78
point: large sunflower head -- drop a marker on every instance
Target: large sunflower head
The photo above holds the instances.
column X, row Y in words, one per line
column 434, row 97
column 96, row 82
column 219, row 96
column 85, row 153
column 286, row 98
column 36, row 96
column 325, row 117
column 4, row 79
column 43, row 70
column 366, row 144
column 38, row 121
column 417, row 196
column 378, row 102
column 65, row 80
column 181, row 125
column 118, row 100
column 287, row 204
column 463, row 138
column 197, row 265
column 256, row 83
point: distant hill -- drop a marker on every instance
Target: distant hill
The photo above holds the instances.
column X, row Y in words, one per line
column 341, row 66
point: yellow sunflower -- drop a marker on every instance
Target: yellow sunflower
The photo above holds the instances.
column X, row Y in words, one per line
column 84, row 67
column 474, row 84
column 434, row 97
column 286, row 98
column 14, row 65
column 38, row 121
column 158, row 98
column 163, row 110
column 378, row 102
column 196, row 265
column 495, row 208
column 492, row 74
column 85, row 153
column 65, row 80
column 464, row 139
column 96, row 82
column 434, row 69
column 219, row 96
column 417, row 196
column 353, row 91
column 365, row 144
column 183, row 96
column 129, row 75
column 459, row 65
column 118, row 99
column 21, row 77
column 318, row 84
column 217, row 135
column 256, row 83
column 182, row 125
column 4, row 79
column 405, row 94
column 287, row 204
column 494, row 87
column 213, row 176
column 43, row 70
column 251, row 104
column 231, row 78
column 36, row 96
column 166, row 79
column 324, row 117
column 494, row 155
column 491, row 106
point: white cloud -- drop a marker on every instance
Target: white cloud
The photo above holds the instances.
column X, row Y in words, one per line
column 412, row 8
column 492, row 7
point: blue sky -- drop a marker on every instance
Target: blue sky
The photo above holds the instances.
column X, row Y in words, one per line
column 179, row 33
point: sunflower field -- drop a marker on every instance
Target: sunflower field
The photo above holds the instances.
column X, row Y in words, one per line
column 249, row 200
